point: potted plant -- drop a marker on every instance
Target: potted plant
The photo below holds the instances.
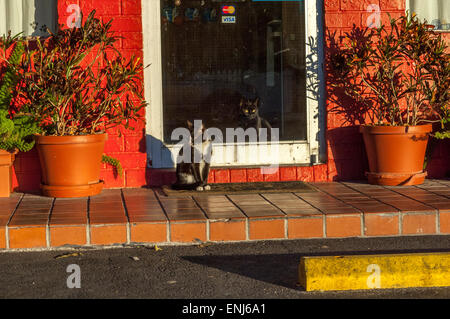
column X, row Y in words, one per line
column 78, row 86
column 16, row 130
column 396, row 80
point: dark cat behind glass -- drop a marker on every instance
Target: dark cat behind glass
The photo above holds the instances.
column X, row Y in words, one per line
column 249, row 115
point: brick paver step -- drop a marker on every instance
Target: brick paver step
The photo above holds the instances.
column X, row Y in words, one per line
column 144, row 215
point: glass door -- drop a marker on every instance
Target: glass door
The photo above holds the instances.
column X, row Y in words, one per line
column 235, row 64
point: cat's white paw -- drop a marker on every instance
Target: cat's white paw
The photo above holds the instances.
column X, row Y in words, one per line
column 207, row 188
column 199, row 188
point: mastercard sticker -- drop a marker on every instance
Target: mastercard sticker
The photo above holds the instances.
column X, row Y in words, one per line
column 228, row 10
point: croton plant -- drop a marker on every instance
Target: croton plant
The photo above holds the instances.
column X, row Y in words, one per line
column 76, row 82
column 397, row 74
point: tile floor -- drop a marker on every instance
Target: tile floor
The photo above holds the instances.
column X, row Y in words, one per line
column 127, row 216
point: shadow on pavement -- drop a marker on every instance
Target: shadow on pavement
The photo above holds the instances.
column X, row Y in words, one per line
column 278, row 269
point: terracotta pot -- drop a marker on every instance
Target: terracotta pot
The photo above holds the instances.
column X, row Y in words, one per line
column 396, row 153
column 6, row 163
column 70, row 165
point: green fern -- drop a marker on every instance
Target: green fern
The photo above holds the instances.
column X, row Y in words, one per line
column 16, row 132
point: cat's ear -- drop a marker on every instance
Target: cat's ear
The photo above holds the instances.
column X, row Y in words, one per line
column 256, row 101
column 241, row 104
column 189, row 124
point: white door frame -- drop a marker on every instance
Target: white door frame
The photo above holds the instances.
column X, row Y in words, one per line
column 287, row 152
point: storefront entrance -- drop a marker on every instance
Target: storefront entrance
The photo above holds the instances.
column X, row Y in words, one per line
column 234, row 64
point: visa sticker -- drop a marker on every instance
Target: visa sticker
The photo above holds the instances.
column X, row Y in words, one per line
column 228, row 19
column 228, row 9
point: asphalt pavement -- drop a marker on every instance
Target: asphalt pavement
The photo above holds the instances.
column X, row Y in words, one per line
column 255, row 270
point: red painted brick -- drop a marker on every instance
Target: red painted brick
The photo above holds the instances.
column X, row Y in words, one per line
column 332, row 170
column 344, row 150
column 125, row 23
column 331, row 5
column 86, row 7
column 392, row 5
column 154, row 177
column 271, row 175
column 357, row 4
column 169, row 177
column 342, row 19
column 320, row 173
column 305, row 173
column 131, row 7
column 437, row 168
column 238, row 175
column 132, row 40
column 136, row 127
column 351, row 18
column 63, row 4
column 15, row 183
column 27, row 165
column 17, row 165
column 62, row 7
column 135, row 143
column 333, row 19
column 135, row 177
column 222, row 176
column 349, row 170
column 132, row 159
column 126, row 55
column 385, row 19
column 109, row 7
column 33, row 153
column 288, row 173
column 211, row 177
column 114, row 144
column 28, row 182
column 254, row 175
column 110, row 178
column 351, row 4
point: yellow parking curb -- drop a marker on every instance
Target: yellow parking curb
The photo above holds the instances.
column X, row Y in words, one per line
column 374, row 271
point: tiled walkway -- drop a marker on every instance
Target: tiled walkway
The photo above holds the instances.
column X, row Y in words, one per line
column 126, row 216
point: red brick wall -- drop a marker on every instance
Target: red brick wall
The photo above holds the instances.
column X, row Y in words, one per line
column 345, row 149
column 129, row 148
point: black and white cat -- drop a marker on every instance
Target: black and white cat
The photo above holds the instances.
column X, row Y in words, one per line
column 193, row 174
column 249, row 115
